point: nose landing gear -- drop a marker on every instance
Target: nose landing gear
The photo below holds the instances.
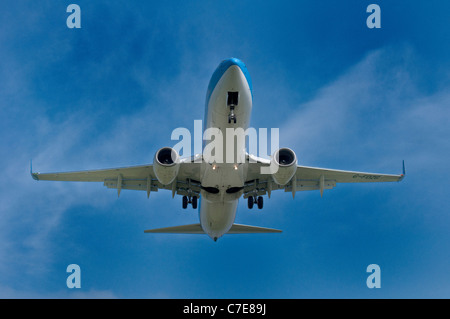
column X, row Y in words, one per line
column 231, row 116
column 232, row 102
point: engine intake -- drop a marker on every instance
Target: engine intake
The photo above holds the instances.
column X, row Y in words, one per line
column 166, row 164
column 284, row 164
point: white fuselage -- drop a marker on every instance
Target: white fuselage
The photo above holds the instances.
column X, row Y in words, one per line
column 218, row 209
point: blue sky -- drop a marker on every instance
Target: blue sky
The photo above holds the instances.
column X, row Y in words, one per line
column 110, row 94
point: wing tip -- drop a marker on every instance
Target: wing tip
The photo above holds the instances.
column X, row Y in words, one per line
column 35, row 176
column 402, row 176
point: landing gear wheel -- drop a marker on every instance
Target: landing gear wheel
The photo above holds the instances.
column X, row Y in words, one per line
column 250, row 202
column 231, row 118
column 194, row 202
column 260, row 202
column 185, row 202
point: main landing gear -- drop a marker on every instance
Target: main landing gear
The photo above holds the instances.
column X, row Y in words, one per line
column 191, row 200
column 255, row 199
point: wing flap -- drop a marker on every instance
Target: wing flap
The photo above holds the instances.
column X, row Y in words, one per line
column 308, row 178
column 309, row 185
column 133, row 178
column 133, row 172
column 133, row 184
column 339, row 176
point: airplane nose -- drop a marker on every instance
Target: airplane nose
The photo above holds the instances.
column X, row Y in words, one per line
column 224, row 66
column 233, row 61
column 234, row 72
column 233, row 79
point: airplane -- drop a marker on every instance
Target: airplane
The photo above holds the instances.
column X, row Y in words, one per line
column 215, row 187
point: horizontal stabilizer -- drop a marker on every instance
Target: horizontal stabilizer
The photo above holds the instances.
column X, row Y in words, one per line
column 197, row 229
column 184, row 229
column 246, row 229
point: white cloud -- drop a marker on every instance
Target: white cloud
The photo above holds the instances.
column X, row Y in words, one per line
column 374, row 114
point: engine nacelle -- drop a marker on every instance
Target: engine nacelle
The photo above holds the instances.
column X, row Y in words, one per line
column 284, row 165
column 166, row 164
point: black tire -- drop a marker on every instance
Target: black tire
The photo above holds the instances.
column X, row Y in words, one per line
column 185, row 202
column 250, row 202
column 260, row 202
column 194, row 202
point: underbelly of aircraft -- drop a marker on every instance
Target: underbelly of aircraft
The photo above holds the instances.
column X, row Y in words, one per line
column 217, row 213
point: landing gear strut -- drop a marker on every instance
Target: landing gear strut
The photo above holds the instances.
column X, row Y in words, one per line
column 231, row 116
column 232, row 102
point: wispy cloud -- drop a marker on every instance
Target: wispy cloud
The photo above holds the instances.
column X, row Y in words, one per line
column 375, row 109
column 79, row 132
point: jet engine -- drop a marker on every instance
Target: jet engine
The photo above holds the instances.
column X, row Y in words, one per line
column 166, row 164
column 284, row 165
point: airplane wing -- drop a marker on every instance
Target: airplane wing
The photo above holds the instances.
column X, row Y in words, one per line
column 307, row 178
column 135, row 178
